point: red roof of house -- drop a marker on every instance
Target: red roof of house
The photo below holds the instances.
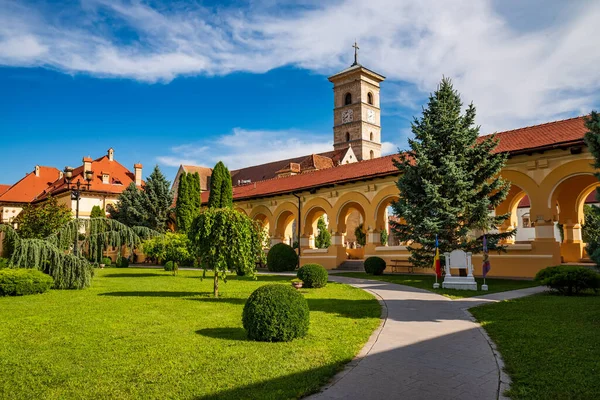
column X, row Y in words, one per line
column 119, row 178
column 31, row 186
column 548, row 135
column 4, row 188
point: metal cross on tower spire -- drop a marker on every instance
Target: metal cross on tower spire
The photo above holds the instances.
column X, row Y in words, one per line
column 355, row 53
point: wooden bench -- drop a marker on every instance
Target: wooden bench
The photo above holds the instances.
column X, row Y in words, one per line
column 404, row 263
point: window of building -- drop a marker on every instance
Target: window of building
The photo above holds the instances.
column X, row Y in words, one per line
column 347, row 136
column 526, row 221
column 371, row 136
column 372, row 154
column 370, row 98
column 347, row 99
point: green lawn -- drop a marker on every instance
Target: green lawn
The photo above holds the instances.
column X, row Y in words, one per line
column 426, row 282
column 146, row 334
column 550, row 344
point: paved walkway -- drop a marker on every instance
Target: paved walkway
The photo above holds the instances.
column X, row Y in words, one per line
column 429, row 347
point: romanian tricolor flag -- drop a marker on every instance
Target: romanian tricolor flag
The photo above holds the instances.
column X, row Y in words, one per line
column 436, row 260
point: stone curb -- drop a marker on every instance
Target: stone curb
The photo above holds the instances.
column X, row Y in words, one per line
column 366, row 349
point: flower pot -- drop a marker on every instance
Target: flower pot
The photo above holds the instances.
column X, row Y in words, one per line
column 297, row 285
column 101, row 266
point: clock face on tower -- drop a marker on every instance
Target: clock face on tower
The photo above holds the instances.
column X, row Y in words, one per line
column 371, row 116
column 347, row 116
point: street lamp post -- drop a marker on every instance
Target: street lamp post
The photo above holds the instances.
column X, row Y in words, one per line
column 76, row 190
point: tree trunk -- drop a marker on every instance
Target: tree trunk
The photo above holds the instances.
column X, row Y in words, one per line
column 216, row 287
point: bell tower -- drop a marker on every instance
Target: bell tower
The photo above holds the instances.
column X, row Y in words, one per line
column 356, row 110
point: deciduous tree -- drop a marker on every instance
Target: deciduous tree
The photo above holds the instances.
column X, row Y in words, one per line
column 37, row 221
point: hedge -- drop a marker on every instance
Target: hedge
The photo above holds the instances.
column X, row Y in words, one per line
column 374, row 265
column 569, row 279
column 276, row 313
column 23, row 281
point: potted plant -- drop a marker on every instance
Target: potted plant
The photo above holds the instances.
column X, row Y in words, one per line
column 297, row 283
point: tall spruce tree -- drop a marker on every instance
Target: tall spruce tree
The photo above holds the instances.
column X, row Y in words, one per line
column 449, row 182
column 592, row 139
column 323, row 238
column 221, row 194
column 157, row 200
column 129, row 208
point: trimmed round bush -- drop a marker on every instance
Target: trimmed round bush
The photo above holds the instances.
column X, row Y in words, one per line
column 276, row 313
column 170, row 265
column 374, row 265
column 106, row 261
column 23, row 281
column 313, row 276
column 282, row 257
column 569, row 279
column 122, row 262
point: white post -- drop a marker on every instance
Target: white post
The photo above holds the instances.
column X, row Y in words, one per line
column 447, row 266
column 469, row 265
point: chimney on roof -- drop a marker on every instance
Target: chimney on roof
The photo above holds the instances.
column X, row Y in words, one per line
column 87, row 164
column 111, row 154
column 37, row 170
column 137, row 171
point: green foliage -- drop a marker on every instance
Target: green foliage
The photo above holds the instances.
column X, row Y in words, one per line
column 3, row 262
column 313, row 276
column 323, row 238
column 37, row 221
column 449, row 182
column 20, row 282
column 221, row 191
column 97, row 212
column 171, row 266
column 383, row 237
column 188, row 201
column 361, row 236
column 169, row 247
column 591, row 229
column 569, row 279
column 226, row 239
column 106, row 261
column 374, row 265
column 148, row 208
column 276, row 313
column 122, row 262
column 282, row 257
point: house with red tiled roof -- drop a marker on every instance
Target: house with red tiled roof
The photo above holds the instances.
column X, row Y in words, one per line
column 104, row 181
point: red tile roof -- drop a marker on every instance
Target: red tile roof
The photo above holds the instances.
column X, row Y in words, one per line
column 31, row 186
column 119, row 178
column 548, row 135
column 4, row 188
column 204, row 173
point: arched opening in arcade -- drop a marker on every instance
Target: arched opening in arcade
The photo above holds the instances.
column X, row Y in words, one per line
column 311, row 229
column 568, row 201
column 518, row 204
column 350, row 217
column 285, row 228
column 383, row 216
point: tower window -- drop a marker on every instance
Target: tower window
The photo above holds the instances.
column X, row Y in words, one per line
column 348, row 99
column 371, row 137
column 372, row 154
column 370, row 98
column 347, row 136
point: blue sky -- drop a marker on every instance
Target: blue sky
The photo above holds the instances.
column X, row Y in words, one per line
column 246, row 82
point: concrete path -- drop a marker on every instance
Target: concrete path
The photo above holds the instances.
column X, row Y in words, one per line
column 429, row 347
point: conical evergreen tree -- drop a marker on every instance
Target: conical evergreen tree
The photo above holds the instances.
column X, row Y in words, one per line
column 157, row 200
column 323, row 238
column 129, row 209
column 449, row 181
column 182, row 206
column 592, row 139
column 195, row 194
column 221, row 193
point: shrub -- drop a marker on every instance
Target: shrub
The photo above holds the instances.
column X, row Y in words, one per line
column 22, row 281
column 122, row 262
column 3, row 262
column 282, row 257
column 276, row 313
column 568, row 279
column 313, row 276
column 170, row 266
column 374, row 265
column 106, row 261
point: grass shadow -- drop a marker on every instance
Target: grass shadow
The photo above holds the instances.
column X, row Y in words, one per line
column 162, row 293
column 230, row 300
column 238, row 334
column 144, row 275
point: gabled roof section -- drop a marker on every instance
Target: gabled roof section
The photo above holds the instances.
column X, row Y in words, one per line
column 204, row 173
column 119, row 178
column 31, row 186
column 3, row 189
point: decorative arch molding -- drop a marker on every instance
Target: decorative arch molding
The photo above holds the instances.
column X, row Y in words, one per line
column 241, row 210
column 580, row 201
column 315, row 204
column 552, row 195
column 529, row 186
column 260, row 209
column 562, row 173
column 382, row 196
column 351, row 197
column 284, row 214
column 285, row 206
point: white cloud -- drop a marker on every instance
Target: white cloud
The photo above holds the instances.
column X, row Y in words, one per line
column 243, row 148
column 514, row 77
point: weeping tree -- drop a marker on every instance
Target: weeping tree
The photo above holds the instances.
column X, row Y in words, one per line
column 53, row 255
column 227, row 240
